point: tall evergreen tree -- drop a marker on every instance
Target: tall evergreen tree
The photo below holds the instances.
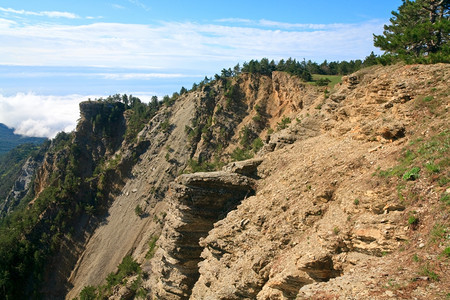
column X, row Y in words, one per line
column 419, row 29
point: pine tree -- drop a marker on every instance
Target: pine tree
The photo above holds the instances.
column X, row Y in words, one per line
column 420, row 29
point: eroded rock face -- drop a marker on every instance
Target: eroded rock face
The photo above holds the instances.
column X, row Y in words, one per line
column 196, row 202
column 21, row 186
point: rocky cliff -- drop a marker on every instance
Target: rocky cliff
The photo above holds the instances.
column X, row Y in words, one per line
column 330, row 218
column 200, row 127
column 347, row 196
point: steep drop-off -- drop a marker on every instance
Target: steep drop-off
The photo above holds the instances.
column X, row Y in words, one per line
column 347, row 197
column 202, row 126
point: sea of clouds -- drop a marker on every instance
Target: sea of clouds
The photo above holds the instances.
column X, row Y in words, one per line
column 42, row 116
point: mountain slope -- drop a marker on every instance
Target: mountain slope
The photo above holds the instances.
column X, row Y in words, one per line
column 334, row 206
column 338, row 215
column 9, row 140
column 345, row 183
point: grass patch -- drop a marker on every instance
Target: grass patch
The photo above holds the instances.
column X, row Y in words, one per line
column 333, row 79
column 412, row 174
column 151, row 247
column 445, row 198
column 427, row 271
column 430, row 155
column 446, row 252
column 413, row 220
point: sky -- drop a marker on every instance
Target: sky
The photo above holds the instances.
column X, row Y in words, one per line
column 54, row 54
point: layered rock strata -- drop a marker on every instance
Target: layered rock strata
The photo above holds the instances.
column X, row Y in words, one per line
column 196, row 202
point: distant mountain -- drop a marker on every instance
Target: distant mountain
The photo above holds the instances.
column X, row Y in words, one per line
column 9, row 140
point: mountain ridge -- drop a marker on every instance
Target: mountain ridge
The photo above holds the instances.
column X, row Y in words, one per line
column 343, row 179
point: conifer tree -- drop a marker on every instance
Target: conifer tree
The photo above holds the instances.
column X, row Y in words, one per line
column 419, row 30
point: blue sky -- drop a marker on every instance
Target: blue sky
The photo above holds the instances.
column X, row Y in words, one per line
column 54, row 54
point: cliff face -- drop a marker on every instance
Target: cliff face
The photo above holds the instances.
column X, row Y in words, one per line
column 193, row 129
column 324, row 203
column 21, row 186
column 333, row 214
column 323, row 223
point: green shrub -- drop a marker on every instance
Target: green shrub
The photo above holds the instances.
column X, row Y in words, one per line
column 88, row 293
column 336, row 230
column 412, row 220
column 165, row 126
column 412, row 174
column 322, row 81
column 138, row 211
column 241, row 154
column 283, row 123
column 151, row 247
column 446, row 252
column 257, row 144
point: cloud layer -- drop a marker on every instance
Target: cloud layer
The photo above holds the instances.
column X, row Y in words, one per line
column 43, row 116
column 49, row 14
column 186, row 45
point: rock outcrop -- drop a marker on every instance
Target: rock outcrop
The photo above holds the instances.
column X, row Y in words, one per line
column 196, row 202
column 21, row 186
column 322, row 224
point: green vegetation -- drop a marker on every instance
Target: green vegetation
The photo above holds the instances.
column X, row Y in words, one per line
column 138, row 211
column 250, row 145
column 419, row 32
column 413, row 220
column 427, row 154
column 327, row 80
column 427, row 271
column 204, row 166
column 303, row 69
column 22, row 260
column 438, row 233
column 151, row 247
column 336, row 230
column 412, row 174
column 32, row 234
column 446, row 252
column 88, row 293
column 285, row 121
column 445, row 198
column 128, row 267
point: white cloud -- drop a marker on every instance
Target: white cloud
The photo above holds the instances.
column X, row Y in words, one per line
column 141, row 76
column 173, row 45
column 119, row 75
column 117, row 6
column 50, row 14
column 139, row 4
column 36, row 115
column 236, row 20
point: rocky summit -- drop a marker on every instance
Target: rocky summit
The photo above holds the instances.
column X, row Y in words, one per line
column 258, row 187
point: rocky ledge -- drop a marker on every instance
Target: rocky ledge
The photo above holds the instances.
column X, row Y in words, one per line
column 196, row 202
